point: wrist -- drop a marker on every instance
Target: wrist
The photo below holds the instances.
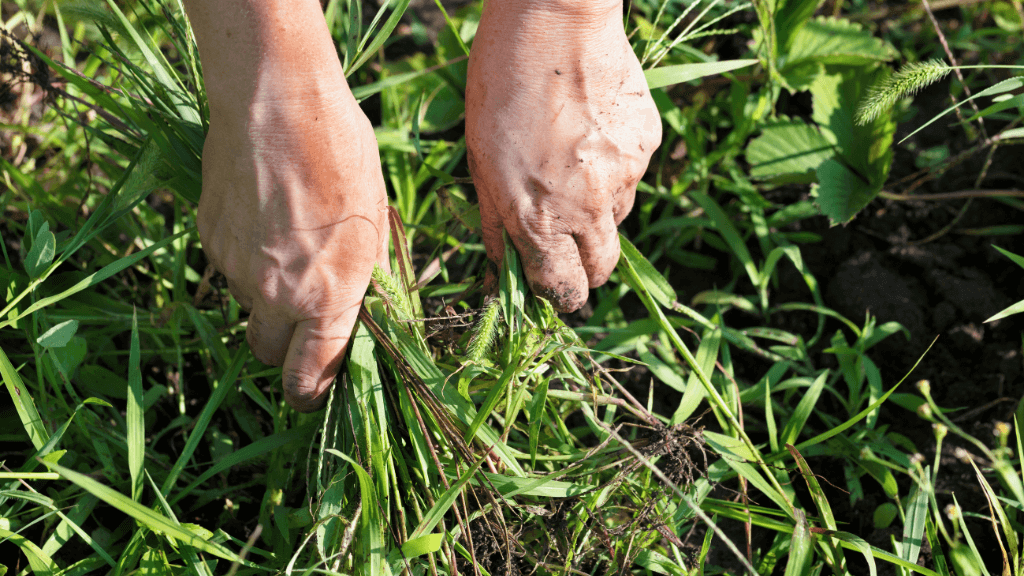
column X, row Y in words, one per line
column 261, row 50
column 583, row 11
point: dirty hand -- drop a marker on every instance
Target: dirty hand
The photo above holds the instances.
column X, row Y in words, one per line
column 560, row 126
column 293, row 209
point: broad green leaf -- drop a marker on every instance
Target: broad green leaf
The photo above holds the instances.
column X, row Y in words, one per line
column 422, row 545
column 657, row 562
column 790, row 17
column 863, row 152
column 884, row 515
column 841, row 192
column 836, row 41
column 668, row 75
column 329, row 530
column 135, row 418
column 44, row 248
column 788, row 147
column 511, row 486
column 1008, row 311
column 59, row 335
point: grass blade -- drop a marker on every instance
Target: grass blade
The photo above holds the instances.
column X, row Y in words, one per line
column 226, row 384
column 134, row 417
column 38, row 561
column 800, row 546
column 23, row 403
column 669, row 75
column 803, row 410
column 147, row 516
column 444, row 503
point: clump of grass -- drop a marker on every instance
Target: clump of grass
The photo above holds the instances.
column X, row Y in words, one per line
column 910, row 80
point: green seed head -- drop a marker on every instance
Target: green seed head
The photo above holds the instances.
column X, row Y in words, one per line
column 907, row 82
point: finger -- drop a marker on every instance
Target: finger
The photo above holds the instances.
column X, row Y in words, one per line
column 313, row 359
column 494, row 241
column 623, row 202
column 553, row 268
column 243, row 299
column 383, row 255
column 599, row 251
column 268, row 334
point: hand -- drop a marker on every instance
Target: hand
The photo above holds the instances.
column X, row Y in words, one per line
column 560, row 126
column 293, row 209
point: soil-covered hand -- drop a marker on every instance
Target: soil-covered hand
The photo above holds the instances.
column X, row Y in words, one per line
column 560, row 126
column 293, row 209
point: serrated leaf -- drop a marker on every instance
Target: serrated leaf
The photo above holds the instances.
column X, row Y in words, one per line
column 790, row 17
column 863, row 153
column 59, row 335
column 836, row 41
column 788, row 146
column 799, row 76
column 841, row 193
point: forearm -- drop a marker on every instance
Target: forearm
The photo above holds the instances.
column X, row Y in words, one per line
column 585, row 13
column 255, row 50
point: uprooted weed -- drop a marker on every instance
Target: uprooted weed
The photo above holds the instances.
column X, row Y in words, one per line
column 600, row 506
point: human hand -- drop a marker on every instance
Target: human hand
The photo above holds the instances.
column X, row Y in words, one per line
column 560, row 126
column 293, row 213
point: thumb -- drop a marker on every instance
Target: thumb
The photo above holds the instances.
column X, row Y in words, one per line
column 314, row 357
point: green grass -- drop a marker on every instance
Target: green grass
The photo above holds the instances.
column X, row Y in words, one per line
column 145, row 437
